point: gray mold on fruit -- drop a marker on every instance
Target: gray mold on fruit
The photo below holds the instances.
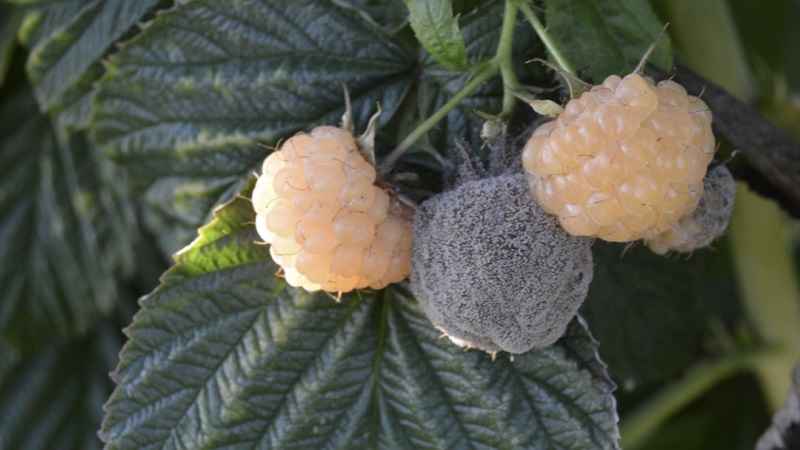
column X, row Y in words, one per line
column 706, row 223
column 494, row 271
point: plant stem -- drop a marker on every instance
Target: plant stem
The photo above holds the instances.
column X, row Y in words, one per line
column 503, row 58
column 500, row 63
column 486, row 73
column 640, row 424
column 545, row 38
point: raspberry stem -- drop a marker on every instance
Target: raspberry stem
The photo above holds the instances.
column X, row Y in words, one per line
column 500, row 63
column 482, row 76
column 643, row 62
column 541, row 31
column 503, row 57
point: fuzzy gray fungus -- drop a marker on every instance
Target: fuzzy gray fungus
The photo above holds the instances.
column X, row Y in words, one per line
column 707, row 222
column 494, row 271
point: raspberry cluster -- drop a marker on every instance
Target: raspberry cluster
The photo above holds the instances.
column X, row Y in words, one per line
column 706, row 223
column 624, row 161
column 330, row 226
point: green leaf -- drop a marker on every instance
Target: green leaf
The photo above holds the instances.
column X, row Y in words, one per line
column 606, row 37
column 54, row 398
column 176, row 206
column 65, row 226
column 9, row 22
column 187, row 101
column 645, row 310
column 437, row 30
column 224, row 354
column 67, row 40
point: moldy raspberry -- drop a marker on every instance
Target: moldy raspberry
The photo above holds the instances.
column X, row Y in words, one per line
column 706, row 223
column 492, row 270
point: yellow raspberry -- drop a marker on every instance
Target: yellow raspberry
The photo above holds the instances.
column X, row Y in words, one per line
column 624, row 161
column 330, row 226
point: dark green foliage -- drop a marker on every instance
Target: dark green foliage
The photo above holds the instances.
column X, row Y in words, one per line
column 9, row 21
column 65, row 227
column 53, row 397
column 636, row 293
column 731, row 416
column 67, row 40
column 223, row 353
column 606, row 37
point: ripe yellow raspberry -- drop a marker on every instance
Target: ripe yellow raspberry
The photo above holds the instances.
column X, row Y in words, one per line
column 330, row 226
column 706, row 223
column 624, row 161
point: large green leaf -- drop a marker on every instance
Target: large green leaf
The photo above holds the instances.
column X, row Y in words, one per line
column 53, row 399
column 67, row 40
column 65, row 228
column 187, row 100
column 605, row 37
column 646, row 311
column 224, row 354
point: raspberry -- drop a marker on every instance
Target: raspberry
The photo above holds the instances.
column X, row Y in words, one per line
column 624, row 161
column 330, row 226
column 706, row 223
column 493, row 271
